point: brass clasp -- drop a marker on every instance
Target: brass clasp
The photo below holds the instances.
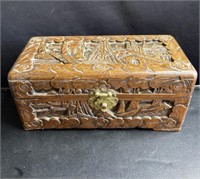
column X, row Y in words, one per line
column 103, row 99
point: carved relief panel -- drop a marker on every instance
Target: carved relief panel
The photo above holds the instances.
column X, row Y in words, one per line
column 103, row 107
column 155, row 114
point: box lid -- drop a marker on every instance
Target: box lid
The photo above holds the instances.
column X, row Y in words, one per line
column 98, row 57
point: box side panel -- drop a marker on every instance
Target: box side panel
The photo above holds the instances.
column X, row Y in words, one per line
column 130, row 112
column 156, row 102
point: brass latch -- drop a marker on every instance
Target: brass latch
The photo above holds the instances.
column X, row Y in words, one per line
column 103, row 99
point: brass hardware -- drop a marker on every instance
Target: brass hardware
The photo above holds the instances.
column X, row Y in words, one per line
column 103, row 99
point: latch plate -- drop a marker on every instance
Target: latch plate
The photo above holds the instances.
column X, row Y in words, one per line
column 103, row 99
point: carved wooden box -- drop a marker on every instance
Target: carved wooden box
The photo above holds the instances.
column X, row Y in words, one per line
column 102, row 82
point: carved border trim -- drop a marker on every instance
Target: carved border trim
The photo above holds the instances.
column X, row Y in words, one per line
column 152, row 85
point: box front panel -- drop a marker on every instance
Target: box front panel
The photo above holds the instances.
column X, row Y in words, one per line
column 156, row 102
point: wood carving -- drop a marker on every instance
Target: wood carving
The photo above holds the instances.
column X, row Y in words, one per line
column 76, row 114
column 103, row 82
column 132, row 85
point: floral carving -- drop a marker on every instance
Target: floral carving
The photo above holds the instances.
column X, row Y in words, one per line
column 178, row 85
